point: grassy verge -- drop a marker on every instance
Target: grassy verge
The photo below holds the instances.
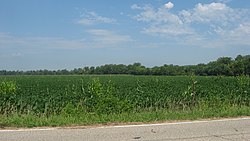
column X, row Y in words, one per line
column 123, row 118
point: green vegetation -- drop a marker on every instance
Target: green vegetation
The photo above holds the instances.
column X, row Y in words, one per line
column 68, row 100
column 225, row 66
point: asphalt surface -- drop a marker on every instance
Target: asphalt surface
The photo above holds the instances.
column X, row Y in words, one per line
column 215, row 130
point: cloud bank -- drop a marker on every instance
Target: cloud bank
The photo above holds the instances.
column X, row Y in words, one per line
column 98, row 38
column 203, row 22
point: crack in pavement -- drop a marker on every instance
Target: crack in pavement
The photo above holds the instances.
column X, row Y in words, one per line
column 198, row 137
column 217, row 136
column 225, row 138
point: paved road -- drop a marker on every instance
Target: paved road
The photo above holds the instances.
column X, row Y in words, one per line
column 216, row 130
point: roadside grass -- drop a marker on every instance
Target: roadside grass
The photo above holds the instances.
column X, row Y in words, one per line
column 87, row 119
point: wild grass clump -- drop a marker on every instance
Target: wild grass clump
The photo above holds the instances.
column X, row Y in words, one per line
column 8, row 90
column 98, row 98
column 8, row 87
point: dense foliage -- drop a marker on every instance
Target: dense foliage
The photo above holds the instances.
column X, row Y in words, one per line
column 223, row 66
column 71, row 95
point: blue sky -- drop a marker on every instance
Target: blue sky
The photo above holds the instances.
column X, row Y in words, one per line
column 59, row 34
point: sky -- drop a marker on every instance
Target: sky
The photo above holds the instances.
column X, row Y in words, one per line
column 68, row 34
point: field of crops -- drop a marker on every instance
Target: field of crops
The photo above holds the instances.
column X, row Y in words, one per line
column 69, row 95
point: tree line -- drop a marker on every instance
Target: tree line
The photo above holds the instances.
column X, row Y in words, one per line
column 222, row 66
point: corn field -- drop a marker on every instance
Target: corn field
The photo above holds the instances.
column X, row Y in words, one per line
column 69, row 95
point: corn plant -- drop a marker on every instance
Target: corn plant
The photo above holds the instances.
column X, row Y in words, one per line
column 71, row 95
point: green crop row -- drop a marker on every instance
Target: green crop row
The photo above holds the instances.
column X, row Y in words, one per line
column 71, row 95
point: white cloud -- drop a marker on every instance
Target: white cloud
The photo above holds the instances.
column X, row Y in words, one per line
column 213, row 22
column 236, row 37
column 149, row 14
column 15, row 42
column 211, row 13
column 98, row 38
column 224, row 1
column 90, row 18
column 135, row 6
column 108, row 37
column 239, row 35
column 169, row 5
column 86, row 22
column 10, row 55
column 218, row 16
column 161, row 21
column 164, row 30
column 242, row 29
